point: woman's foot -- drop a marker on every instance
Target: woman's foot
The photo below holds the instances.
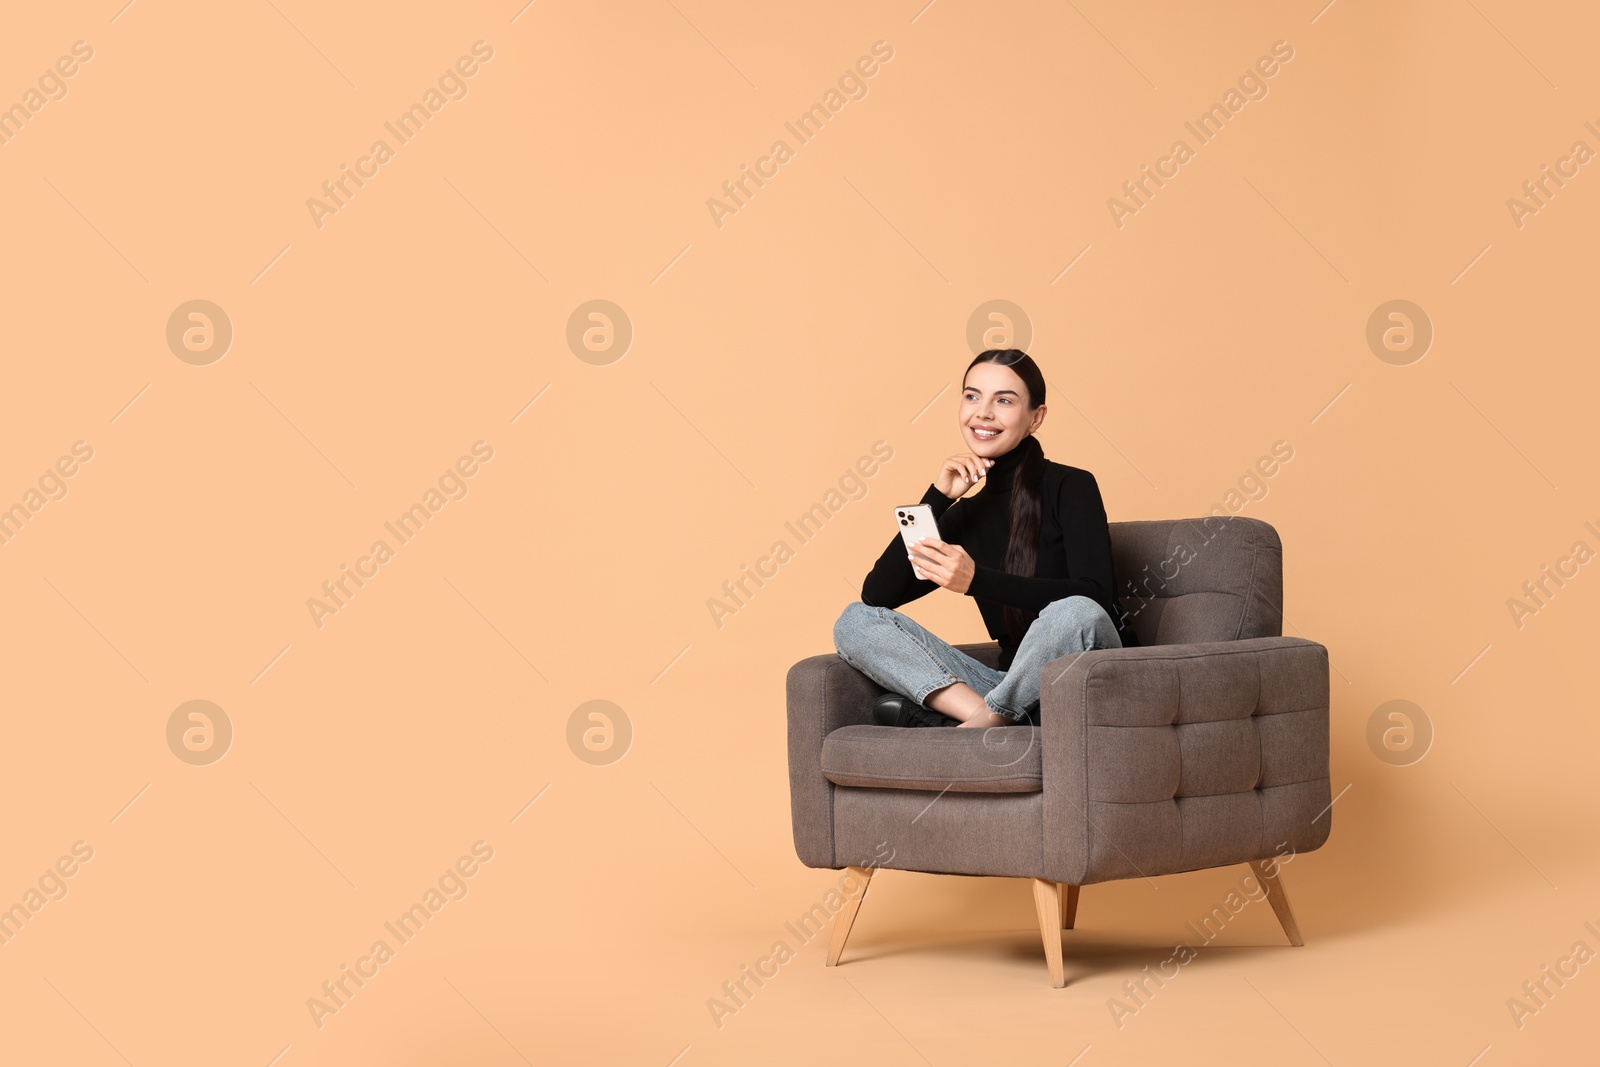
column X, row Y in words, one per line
column 960, row 701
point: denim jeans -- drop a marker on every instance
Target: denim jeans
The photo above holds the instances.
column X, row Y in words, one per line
column 903, row 657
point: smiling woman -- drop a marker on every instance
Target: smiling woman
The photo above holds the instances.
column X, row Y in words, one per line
column 1032, row 548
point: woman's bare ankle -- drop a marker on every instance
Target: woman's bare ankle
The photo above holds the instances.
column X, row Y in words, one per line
column 960, row 701
column 957, row 700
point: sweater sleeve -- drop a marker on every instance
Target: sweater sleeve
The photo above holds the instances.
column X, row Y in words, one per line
column 892, row 582
column 1082, row 515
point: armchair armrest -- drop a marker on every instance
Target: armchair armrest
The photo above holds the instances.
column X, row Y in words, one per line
column 823, row 693
column 1173, row 758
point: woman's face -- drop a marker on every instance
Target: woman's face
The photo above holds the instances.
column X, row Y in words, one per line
column 993, row 414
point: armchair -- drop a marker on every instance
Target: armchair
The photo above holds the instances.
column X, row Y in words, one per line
column 1206, row 746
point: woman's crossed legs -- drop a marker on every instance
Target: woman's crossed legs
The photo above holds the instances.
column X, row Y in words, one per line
column 901, row 655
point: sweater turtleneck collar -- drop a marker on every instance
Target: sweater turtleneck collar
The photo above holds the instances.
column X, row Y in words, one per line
column 1005, row 467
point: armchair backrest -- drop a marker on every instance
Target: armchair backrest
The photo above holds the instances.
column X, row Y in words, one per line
column 1217, row 578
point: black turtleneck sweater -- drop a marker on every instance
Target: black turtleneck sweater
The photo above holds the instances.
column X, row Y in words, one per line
column 1074, row 557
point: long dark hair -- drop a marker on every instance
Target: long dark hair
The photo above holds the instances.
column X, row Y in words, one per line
column 1022, row 547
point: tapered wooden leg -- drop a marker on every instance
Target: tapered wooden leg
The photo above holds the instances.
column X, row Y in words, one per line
column 847, row 915
column 1265, row 871
column 1069, row 905
column 1047, row 902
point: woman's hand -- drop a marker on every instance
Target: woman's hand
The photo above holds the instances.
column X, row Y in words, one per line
column 961, row 473
column 946, row 565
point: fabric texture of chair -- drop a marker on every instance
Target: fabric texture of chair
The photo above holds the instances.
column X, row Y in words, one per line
column 1206, row 745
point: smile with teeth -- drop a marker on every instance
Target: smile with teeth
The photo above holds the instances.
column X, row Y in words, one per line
column 985, row 434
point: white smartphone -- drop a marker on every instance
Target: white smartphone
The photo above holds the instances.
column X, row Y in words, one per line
column 916, row 522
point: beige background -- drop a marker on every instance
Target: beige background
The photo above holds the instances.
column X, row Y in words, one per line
column 769, row 355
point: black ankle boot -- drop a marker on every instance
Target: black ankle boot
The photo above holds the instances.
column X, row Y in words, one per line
column 892, row 709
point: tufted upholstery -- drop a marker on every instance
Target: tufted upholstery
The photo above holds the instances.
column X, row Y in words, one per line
column 1179, row 757
column 1207, row 745
column 1186, row 581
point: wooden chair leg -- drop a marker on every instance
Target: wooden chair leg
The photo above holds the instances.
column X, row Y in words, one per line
column 1069, row 905
column 847, row 915
column 1047, row 902
column 1266, row 872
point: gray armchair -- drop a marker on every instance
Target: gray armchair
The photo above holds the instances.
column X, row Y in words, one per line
column 1207, row 746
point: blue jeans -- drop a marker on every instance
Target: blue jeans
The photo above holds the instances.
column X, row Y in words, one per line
column 903, row 657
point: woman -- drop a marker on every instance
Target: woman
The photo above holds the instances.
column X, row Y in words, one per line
column 1032, row 548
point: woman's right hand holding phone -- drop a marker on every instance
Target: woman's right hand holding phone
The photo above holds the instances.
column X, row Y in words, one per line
column 961, row 473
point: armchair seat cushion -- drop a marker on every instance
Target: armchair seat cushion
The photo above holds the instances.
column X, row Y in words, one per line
column 1001, row 759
